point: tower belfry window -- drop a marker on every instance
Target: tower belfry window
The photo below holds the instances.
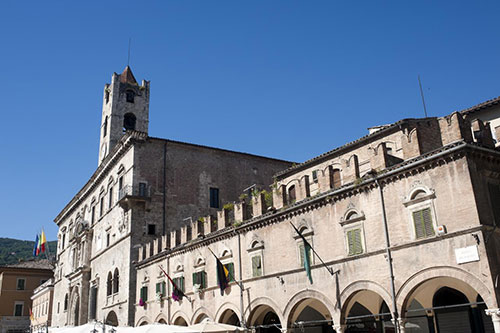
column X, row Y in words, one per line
column 130, row 96
column 105, row 127
column 129, row 121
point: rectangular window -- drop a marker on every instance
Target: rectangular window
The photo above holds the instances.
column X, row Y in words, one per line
column 143, row 187
column 495, row 201
column 58, row 306
column 422, row 221
column 151, row 229
column 200, row 278
column 108, row 239
column 21, row 284
column 18, row 309
column 315, row 176
column 110, row 204
column 144, row 294
column 214, row 197
column 161, row 288
column 93, row 215
column 179, row 282
column 301, row 253
column 256, row 266
column 230, row 269
column 120, row 183
column 101, row 207
column 354, row 243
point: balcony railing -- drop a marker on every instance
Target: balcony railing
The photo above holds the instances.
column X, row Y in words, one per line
column 133, row 193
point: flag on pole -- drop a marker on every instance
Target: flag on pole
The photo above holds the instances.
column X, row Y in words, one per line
column 177, row 294
column 38, row 245
column 35, row 252
column 222, row 275
column 43, row 240
column 32, row 317
column 307, row 250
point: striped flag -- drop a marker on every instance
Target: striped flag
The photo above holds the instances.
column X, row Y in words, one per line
column 35, row 248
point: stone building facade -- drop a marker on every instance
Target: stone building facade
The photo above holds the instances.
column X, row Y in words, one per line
column 143, row 187
column 404, row 225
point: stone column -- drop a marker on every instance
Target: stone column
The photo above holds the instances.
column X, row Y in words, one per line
column 495, row 317
column 339, row 328
column 402, row 322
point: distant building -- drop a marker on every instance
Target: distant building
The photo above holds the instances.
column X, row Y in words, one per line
column 406, row 219
column 143, row 188
column 42, row 306
column 17, row 283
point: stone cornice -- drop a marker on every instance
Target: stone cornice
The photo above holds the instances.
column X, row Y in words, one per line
column 422, row 163
column 102, row 171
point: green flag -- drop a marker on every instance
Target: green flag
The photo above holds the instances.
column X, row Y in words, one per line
column 307, row 250
column 307, row 264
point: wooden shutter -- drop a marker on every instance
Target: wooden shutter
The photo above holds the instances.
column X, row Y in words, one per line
column 203, row 279
column 335, row 178
column 144, row 294
column 163, row 288
column 195, row 279
column 230, row 269
column 256, row 266
column 354, row 242
column 181, row 284
column 422, row 220
column 301, row 254
column 158, row 287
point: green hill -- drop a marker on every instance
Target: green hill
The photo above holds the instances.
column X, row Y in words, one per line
column 14, row 250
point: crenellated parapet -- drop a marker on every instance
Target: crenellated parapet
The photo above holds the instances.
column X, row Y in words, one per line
column 346, row 168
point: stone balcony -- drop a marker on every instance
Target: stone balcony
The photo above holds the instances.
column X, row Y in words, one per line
column 130, row 195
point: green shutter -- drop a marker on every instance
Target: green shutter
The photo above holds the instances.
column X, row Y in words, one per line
column 301, row 254
column 181, row 284
column 195, row 278
column 203, row 278
column 144, row 294
column 354, row 242
column 230, row 269
column 422, row 221
column 256, row 266
column 158, row 287
column 163, row 288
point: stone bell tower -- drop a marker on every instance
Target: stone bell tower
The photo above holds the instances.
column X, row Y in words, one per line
column 125, row 107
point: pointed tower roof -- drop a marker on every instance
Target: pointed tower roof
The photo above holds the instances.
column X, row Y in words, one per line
column 127, row 76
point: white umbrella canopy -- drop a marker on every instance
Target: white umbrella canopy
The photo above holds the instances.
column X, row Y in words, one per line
column 151, row 328
column 208, row 326
column 156, row 328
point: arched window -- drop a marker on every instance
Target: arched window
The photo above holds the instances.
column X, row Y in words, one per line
column 65, row 302
column 109, row 284
column 130, row 96
column 129, row 121
column 292, row 197
column 116, row 281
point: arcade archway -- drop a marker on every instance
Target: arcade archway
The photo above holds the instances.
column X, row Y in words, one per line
column 310, row 315
column 265, row 320
column 445, row 304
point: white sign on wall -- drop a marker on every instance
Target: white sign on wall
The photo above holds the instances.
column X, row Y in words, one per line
column 467, row 254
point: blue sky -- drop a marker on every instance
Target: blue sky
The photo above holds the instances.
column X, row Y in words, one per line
column 286, row 79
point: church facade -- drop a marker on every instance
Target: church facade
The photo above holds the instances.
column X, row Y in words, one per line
column 142, row 188
column 403, row 225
